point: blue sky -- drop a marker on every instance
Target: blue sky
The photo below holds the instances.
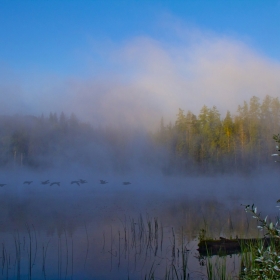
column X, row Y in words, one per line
column 50, row 33
column 95, row 51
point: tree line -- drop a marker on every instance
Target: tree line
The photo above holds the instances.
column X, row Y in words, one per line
column 207, row 142
column 29, row 140
column 202, row 143
column 59, row 140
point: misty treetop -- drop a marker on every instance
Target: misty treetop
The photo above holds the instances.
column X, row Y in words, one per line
column 208, row 142
column 59, row 140
column 193, row 144
column 29, row 140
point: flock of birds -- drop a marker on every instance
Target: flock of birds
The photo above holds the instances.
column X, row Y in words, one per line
column 77, row 182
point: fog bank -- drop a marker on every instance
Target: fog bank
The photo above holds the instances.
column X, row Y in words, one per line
column 143, row 79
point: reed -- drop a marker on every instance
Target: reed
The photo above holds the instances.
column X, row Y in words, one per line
column 140, row 246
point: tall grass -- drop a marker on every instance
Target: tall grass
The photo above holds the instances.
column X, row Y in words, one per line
column 141, row 246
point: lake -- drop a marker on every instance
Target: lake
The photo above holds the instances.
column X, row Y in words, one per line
column 145, row 229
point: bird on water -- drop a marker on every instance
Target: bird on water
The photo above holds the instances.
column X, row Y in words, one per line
column 82, row 181
column 55, row 183
column 103, row 182
column 75, row 182
column 2, row 185
column 45, row 182
column 126, row 183
column 27, row 182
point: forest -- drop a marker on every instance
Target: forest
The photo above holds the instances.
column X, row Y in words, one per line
column 58, row 141
column 208, row 143
column 204, row 143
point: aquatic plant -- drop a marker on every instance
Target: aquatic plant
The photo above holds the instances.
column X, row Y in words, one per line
column 264, row 261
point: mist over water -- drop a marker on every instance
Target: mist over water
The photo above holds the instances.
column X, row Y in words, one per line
column 92, row 219
column 147, row 192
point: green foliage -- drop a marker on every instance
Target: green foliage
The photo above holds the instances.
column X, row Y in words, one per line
column 276, row 137
column 265, row 260
column 235, row 142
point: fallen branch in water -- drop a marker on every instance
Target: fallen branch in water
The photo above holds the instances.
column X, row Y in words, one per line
column 225, row 246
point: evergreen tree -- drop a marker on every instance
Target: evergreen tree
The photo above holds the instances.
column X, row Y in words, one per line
column 181, row 128
column 228, row 130
column 254, row 120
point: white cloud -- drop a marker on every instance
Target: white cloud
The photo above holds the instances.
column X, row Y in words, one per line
column 149, row 79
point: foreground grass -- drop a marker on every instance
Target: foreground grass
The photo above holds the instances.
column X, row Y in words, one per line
column 260, row 261
column 146, row 249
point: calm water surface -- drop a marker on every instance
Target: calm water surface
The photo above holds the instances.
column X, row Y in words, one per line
column 116, row 231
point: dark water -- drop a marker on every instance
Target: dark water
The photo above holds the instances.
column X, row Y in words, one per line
column 116, row 231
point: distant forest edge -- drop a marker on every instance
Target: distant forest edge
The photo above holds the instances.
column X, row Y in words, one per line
column 61, row 141
column 193, row 144
column 243, row 141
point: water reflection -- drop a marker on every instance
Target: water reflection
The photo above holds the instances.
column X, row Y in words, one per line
column 115, row 231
